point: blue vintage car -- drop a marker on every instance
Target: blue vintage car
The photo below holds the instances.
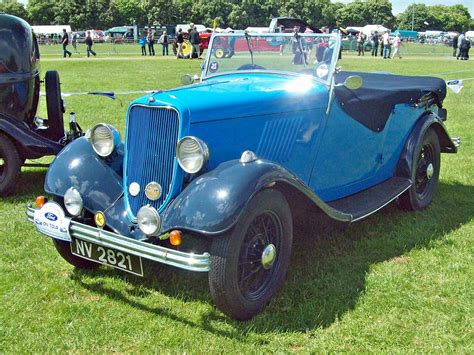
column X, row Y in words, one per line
column 209, row 176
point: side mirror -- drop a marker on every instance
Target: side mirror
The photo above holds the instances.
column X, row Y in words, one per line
column 353, row 82
column 188, row 79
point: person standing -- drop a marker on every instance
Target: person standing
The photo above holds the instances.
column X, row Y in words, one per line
column 460, row 41
column 397, row 41
column 455, row 45
column 65, row 42
column 194, row 39
column 89, row 43
column 375, row 43
column 386, row 45
column 142, row 42
column 74, row 41
column 179, row 44
column 151, row 42
column 360, row 44
column 164, row 42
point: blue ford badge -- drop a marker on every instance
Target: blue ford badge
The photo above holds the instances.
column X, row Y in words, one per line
column 51, row 216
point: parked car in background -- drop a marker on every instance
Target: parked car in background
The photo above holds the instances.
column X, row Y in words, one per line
column 23, row 135
column 210, row 176
column 98, row 36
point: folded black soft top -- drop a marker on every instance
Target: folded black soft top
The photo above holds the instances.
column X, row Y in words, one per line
column 373, row 103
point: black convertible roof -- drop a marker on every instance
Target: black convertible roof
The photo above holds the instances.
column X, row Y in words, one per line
column 372, row 104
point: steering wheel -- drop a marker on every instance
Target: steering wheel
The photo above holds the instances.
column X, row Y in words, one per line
column 250, row 67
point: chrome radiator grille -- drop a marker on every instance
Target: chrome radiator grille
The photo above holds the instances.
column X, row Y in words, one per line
column 152, row 134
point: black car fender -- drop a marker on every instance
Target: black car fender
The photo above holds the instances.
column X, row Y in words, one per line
column 30, row 144
column 212, row 203
column 426, row 121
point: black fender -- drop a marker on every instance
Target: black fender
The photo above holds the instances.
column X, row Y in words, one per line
column 98, row 183
column 212, row 203
column 426, row 121
column 30, row 144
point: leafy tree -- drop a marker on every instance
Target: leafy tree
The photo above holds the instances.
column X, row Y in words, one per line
column 41, row 12
column 353, row 14
column 419, row 14
column 13, row 7
column 450, row 18
column 380, row 12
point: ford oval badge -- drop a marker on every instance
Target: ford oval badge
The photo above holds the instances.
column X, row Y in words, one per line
column 51, row 216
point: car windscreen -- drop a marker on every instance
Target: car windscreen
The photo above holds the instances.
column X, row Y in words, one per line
column 308, row 54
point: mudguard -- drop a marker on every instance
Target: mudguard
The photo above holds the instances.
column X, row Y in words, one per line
column 428, row 120
column 212, row 203
column 100, row 186
column 30, row 144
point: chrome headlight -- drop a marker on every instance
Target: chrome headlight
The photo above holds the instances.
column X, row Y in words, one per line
column 149, row 221
column 73, row 201
column 192, row 154
column 104, row 138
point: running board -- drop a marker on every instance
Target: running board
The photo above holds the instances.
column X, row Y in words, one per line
column 366, row 202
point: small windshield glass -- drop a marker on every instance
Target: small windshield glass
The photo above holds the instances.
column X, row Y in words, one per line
column 303, row 54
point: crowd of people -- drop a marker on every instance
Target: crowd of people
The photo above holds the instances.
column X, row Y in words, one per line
column 386, row 44
column 461, row 44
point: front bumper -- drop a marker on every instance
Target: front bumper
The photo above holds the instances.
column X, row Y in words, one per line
column 187, row 261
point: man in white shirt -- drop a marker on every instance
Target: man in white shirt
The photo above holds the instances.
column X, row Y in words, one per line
column 386, row 45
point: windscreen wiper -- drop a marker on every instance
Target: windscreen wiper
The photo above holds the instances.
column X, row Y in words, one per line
column 247, row 37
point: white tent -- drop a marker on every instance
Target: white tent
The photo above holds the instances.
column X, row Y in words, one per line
column 51, row 29
column 369, row 29
column 257, row 29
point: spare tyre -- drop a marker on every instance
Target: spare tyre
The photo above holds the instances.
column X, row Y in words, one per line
column 54, row 105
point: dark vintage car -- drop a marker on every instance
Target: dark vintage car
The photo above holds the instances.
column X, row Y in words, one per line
column 210, row 176
column 22, row 134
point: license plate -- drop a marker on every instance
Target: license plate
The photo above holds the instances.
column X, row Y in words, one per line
column 51, row 221
column 108, row 256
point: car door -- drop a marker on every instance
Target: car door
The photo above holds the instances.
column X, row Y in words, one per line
column 348, row 157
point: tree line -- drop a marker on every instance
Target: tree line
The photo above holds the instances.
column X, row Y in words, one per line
column 84, row 14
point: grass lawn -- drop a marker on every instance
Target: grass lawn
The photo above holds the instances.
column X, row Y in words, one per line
column 394, row 282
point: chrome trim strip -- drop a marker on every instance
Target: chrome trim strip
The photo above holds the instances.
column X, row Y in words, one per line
column 182, row 260
column 385, row 204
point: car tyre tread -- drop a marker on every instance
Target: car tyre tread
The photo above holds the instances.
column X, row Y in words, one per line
column 12, row 165
column 225, row 251
column 409, row 200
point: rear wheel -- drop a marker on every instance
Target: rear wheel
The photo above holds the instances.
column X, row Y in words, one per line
column 10, row 165
column 425, row 174
column 249, row 264
column 64, row 249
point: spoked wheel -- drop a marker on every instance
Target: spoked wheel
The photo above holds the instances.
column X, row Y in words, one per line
column 249, row 265
column 10, row 165
column 425, row 174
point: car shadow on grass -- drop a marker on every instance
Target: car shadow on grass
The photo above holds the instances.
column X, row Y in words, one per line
column 29, row 185
column 327, row 274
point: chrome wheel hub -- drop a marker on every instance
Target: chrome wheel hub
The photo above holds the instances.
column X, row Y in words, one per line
column 268, row 256
column 429, row 171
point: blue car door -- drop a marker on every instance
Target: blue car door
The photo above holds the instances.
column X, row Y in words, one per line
column 348, row 157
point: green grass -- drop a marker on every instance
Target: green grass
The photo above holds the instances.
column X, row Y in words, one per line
column 394, row 282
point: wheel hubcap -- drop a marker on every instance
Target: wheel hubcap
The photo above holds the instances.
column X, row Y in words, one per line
column 258, row 259
column 429, row 171
column 268, row 256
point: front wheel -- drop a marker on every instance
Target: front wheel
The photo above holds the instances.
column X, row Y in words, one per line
column 425, row 174
column 249, row 264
